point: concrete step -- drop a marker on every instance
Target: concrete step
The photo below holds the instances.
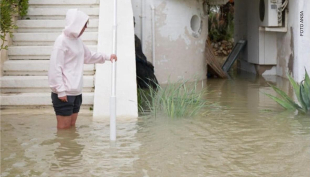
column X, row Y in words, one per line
column 43, row 26
column 33, row 52
column 62, row 2
column 23, row 84
column 25, row 81
column 36, row 99
column 48, row 39
column 35, row 13
column 35, row 68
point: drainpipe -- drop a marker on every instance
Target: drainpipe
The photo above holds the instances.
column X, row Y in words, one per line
column 153, row 33
column 113, row 80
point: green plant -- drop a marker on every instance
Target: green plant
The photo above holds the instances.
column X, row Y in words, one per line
column 174, row 100
column 302, row 92
column 9, row 8
column 221, row 23
column 230, row 27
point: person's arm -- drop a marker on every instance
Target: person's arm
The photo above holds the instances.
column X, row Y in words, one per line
column 94, row 57
column 55, row 76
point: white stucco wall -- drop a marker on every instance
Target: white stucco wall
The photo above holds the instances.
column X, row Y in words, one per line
column 291, row 50
column 293, row 47
column 126, row 87
column 303, row 41
column 178, row 53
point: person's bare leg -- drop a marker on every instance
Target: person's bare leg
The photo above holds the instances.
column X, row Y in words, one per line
column 73, row 118
column 63, row 122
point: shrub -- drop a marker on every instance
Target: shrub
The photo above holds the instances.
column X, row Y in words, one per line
column 9, row 8
column 221, row 23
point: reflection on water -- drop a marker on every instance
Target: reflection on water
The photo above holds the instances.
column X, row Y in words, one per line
column 245, row 134
column 68, row 153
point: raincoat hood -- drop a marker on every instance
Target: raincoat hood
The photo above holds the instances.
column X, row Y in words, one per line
column 75, row 21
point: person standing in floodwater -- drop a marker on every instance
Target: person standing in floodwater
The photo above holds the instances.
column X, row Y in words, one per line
column 65, row 74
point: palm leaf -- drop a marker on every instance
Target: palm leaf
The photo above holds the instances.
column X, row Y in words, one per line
column 281, row 102
column 285, row 97
column 296, row 89
column 302, row 92
column 307, row 78
column 307, row 85
column 304, row 97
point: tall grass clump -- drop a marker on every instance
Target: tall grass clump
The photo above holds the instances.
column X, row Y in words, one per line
column 302, row 92
column 174, row 100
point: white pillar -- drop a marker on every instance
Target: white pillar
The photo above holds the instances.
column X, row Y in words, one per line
column 126, row 89
column 302, row 54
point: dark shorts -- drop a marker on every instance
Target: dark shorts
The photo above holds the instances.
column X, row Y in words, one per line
column 66, row 108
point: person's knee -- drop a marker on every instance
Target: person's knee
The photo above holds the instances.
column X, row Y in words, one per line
column 73, row 121
column 64, row 126
column 74, row 118
column 63, row 122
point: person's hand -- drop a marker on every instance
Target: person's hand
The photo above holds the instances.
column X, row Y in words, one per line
column 63, row 99
column 113, row 57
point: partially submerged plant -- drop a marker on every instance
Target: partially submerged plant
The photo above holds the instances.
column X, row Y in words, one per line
column 302, row 92
column 174, row 100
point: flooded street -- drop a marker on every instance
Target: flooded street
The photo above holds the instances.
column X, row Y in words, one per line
column 244, row 134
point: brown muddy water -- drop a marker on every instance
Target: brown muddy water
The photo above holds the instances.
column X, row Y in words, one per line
column 245, row 134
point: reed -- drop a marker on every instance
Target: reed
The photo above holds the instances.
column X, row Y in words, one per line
column 174, row 100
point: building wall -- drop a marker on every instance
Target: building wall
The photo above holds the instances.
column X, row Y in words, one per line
column 240, row 22
column 4, row 53
column 290, row 50
column 303, row 50
column 293, row 47
column 179, row 52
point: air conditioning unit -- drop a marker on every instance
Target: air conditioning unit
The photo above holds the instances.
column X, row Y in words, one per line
column 270, row 13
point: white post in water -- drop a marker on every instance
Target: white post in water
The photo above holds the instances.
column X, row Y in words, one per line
column 113, row 89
